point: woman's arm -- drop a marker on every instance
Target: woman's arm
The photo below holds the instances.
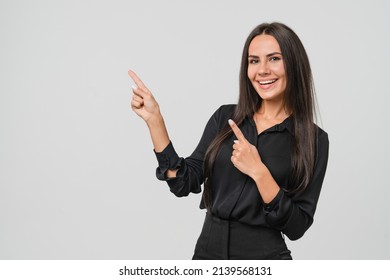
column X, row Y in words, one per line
column 246, row 158
column 145, row 105
column 293, row 214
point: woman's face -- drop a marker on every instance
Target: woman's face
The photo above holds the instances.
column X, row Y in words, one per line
column 266, row 68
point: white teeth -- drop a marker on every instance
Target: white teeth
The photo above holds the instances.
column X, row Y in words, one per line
column 267, row 82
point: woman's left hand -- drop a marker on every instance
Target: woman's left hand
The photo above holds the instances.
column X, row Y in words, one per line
column 245, row 156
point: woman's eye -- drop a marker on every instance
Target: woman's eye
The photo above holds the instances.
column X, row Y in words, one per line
column 253, row 61
column 275, row 58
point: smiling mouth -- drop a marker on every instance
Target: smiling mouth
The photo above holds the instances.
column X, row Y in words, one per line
column 267, row 82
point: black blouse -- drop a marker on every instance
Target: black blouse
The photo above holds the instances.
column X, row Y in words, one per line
column 235, row 195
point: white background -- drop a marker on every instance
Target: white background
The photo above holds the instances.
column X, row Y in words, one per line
column 77, row 170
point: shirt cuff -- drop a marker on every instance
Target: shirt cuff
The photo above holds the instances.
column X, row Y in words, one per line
column 167, row 159
column 269, row 207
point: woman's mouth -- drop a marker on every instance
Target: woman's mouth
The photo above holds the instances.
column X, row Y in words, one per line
column 267, row 84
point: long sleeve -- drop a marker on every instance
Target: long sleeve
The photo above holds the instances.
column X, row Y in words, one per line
column 189, row 177
column 293, row 214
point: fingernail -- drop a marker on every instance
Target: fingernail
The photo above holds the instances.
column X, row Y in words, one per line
column 230, row 122
column 236, row 141
column 133, row 87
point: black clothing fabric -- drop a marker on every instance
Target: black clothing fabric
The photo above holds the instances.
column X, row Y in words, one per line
column 231, row 240
column 235, row 195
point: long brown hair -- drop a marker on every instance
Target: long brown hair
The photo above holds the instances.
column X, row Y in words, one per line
column 299, row 99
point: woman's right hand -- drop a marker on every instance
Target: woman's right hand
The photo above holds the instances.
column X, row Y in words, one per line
column 145, row 106
column 143, row 102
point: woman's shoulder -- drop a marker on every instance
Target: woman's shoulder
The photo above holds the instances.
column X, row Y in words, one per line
column 320, row 130
column 222, row 114
column 322, row 135
column 226, row 110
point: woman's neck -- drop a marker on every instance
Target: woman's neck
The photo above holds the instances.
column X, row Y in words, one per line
column 269, row 115
column 272, row 111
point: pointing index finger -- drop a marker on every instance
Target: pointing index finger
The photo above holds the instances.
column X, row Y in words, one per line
column 237, row 131
column 137, row 80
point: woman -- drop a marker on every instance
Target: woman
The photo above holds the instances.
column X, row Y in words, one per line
column 262, row 161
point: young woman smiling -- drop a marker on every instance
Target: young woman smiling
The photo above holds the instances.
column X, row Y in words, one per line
column 262, row 161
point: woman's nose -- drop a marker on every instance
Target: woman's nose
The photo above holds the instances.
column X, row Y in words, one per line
column 263, row 68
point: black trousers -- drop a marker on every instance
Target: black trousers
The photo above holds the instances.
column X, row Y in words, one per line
column 224, row 240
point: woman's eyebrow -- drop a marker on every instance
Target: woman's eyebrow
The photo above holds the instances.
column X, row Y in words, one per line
column 271, row 54
column 268, row 55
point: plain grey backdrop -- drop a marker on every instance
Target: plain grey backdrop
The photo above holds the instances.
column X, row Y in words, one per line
column 77, row 169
